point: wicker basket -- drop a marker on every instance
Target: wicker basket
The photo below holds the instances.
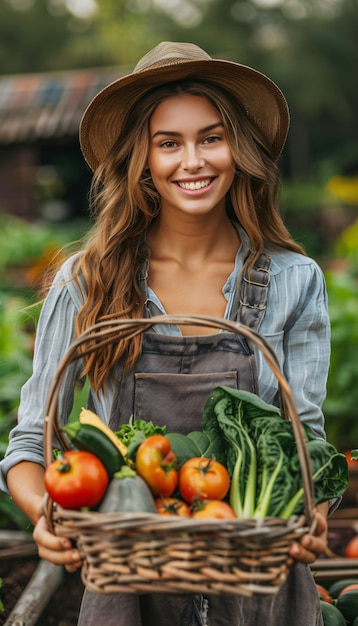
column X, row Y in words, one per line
column 149, row 553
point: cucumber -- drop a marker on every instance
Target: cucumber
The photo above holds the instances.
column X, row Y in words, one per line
column 92, row 419
column 128, row 493
column 91, row 439
column 347, row 604
column 331, row 615
column 338, row 586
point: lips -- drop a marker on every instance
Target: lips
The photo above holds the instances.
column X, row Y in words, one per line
column 194, row 185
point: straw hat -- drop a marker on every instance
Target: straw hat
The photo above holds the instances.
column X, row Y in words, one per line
column 169, row 61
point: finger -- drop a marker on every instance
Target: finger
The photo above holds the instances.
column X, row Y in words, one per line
column 44, row 537
column 57, row 550
column 306, row 552
column 70, row 557
column 321, row 528
column 74, row 567
column 299, row 553
column 315, row 544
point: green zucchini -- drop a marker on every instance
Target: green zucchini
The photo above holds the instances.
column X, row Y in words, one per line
column 331, row 615
column 91, row 439
column 128, row 493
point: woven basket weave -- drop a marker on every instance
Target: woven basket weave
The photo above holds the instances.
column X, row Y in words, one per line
column 150, row 553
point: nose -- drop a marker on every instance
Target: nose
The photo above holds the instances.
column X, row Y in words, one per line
column 192, row 158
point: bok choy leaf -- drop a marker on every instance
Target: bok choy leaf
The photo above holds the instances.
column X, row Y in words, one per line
column 262, row 457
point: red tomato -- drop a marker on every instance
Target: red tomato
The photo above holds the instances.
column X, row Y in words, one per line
column 156, row 463
column 76, row 479
column 351, row 551
column 353, row 463
column 214, row 509
column 203, row 479
column 172, row 506
column 324, row 594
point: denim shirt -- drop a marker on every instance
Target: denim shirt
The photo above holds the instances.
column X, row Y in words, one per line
column 296, row 324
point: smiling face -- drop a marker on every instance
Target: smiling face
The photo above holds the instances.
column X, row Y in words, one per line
column 189, row 156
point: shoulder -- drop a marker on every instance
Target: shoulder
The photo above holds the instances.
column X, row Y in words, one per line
column 67, row 269
column 283, row 261
column 67, row 283
column 297, row 282
column 286, row 261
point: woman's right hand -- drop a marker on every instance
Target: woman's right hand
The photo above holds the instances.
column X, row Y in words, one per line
column 57, row 550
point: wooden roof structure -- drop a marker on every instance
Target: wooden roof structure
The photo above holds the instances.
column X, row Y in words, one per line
column 48, row 105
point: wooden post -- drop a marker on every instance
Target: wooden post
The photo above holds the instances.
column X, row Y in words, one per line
column 42, row 585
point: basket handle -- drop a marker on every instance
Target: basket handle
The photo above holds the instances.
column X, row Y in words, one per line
column 102, row 333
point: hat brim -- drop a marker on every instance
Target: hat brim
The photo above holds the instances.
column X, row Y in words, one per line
column 262, row 99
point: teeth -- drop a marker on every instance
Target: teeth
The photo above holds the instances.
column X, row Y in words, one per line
column 192, row 186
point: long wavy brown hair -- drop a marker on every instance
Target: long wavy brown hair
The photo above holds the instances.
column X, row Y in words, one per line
column 124, row 202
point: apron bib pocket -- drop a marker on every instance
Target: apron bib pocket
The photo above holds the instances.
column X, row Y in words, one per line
column 160, row 396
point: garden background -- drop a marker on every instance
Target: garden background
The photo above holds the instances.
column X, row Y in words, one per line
column 309, row 47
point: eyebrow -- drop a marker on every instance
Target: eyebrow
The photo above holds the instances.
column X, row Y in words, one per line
column 170, row 133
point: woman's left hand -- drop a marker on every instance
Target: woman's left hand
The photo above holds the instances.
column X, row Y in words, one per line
column 309, row 548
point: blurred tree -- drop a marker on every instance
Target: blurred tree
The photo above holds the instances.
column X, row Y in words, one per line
column 32, row 36
column 48, row 35
column 126, row 31
column 37, row 35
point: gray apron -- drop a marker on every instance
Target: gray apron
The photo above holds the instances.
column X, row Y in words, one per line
column 169, row 385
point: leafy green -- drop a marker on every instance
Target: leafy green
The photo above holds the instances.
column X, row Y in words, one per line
column 209, row 444
column 329, row 472
column 134, row 432
column 262, row 456
column 183, row 447
column 354, row 454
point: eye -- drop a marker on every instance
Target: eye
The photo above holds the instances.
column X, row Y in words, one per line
column 169, row 143
column 212, row 139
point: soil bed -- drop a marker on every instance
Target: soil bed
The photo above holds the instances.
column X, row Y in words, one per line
column 63, row 608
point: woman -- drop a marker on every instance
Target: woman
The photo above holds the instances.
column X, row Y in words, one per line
column 185, row 200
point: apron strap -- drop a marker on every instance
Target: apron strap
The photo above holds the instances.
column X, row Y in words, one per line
column 253, row 292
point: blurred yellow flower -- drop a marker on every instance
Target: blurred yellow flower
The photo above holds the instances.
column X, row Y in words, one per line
column 344, row 188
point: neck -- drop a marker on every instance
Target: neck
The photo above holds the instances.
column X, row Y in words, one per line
column 192, row 242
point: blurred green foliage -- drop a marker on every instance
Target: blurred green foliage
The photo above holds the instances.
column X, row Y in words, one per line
column 17, row 328
column 347, row 247
column 16, row 343
column 340, row 407
column 341, row 404
column 22, row 242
